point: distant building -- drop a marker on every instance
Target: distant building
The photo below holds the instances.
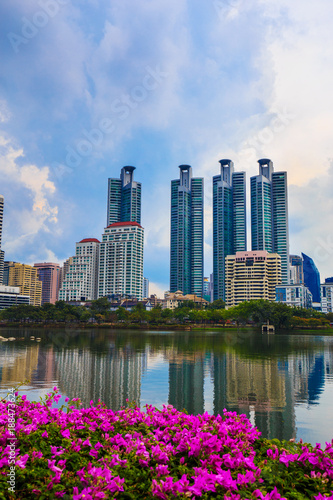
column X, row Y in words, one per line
column 49, row 275
column 26, row 278
column 269, row 214
column 81, row 279
column 10, row 296
column 186, row 238
column 252, row 276
column 311, row 277
column 294, row 295
column 145, row 292
column 326, row 292
column 172, row 300
column 229, row 221
column 124, row 198
column 296, row 276
column 121, row 260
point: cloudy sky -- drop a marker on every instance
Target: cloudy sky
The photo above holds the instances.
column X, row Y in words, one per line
column 87, row 87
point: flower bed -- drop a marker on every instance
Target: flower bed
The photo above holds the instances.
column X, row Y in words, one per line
column 95, row 453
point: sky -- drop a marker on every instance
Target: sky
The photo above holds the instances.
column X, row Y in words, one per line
column 89, row 86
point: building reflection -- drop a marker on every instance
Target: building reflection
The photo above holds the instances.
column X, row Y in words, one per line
column 186, row 382
column 17, row 364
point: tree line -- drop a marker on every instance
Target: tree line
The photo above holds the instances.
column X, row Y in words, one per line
column 254, row 312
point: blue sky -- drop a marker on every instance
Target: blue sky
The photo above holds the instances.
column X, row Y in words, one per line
column 87, row 87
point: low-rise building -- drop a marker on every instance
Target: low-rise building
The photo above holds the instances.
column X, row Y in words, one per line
column 173, row 299
column 10, row 296
column 294, row 295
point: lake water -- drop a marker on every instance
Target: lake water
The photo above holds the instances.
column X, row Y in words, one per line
column 283, row 383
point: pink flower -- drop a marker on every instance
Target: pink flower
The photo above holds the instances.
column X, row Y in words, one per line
column 66, row 433
column 21, row 462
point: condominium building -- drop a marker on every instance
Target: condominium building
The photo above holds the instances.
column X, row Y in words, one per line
column 251, row 276
column 269, row 214
column 81, row 278
column 296, row 276
column 121, row 260
column 186, row 241
column 294, row 295
column 49, row 275
column 26, row 278
column 229, row 220
column 10, row 296
column 145, row 285
column 124, row 198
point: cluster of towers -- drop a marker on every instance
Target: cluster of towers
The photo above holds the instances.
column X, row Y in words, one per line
column 269, row 223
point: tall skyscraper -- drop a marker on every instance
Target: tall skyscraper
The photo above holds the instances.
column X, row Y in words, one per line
column 81, row 272
column 124, row 198
column 311, row 277
column 269, row 214
column 186, row 249
column 229, row 220
column 121, row 260
column 2, row 253
column 49, row 275
column 25, row 277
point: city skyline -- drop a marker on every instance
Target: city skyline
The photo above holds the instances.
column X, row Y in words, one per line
column 214, row 80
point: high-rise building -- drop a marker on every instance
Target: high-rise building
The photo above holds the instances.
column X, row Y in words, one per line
column 49, row 275
column 2, row 253
column 229, row 220
column 81, row 279
column 26, row 278
column 296, row 270
column 186, row 249
column 326, row 291
column 311, row 277
column 145, row 289
column 251, row 276
column 269, row 214
column 294, row 295
column 124, row 198
column 121, row 260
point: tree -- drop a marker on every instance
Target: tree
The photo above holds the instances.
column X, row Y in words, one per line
column 217, row 304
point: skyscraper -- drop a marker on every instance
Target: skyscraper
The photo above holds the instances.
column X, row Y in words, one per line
column 311, row 277
column 229, row 220
column 2, row 253
column 186, row 249
column 269, row 214
column 49, row 274
column 124, row 198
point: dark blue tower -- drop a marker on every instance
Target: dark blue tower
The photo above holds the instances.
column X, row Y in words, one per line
column 311, row 277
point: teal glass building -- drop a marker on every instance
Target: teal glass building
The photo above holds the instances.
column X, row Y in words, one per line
column 229, row 220
column 269, row 214
column 124, row 198
column 186, row 238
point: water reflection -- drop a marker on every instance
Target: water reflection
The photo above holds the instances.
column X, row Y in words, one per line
column 265, row 377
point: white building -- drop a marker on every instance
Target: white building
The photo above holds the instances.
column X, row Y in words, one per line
column 326, row 293
column 121, row 260
column 81, row 279
column 294, row 295
column 10, row 296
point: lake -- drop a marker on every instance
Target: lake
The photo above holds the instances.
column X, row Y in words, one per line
column 283, row 383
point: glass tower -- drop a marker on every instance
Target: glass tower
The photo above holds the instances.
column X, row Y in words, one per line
column 229, row 220
column 124, row 198
column 186, row 248
column 311, row 277
column 269, row 214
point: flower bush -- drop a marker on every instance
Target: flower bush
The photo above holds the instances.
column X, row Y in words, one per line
column 97, row 453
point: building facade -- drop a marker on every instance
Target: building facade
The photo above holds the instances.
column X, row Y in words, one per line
column 296, row 276
column 26, row 278
column 124, row 198
column 269, row 214
column 186, row 239
column 10, row 296
column 294, row 295
column 326, row 292
column 145, row 288
column 251, row 276
column 81, row 278
column 311, row 277
column 121, row 260
column 49, row 275
column 229, row 220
